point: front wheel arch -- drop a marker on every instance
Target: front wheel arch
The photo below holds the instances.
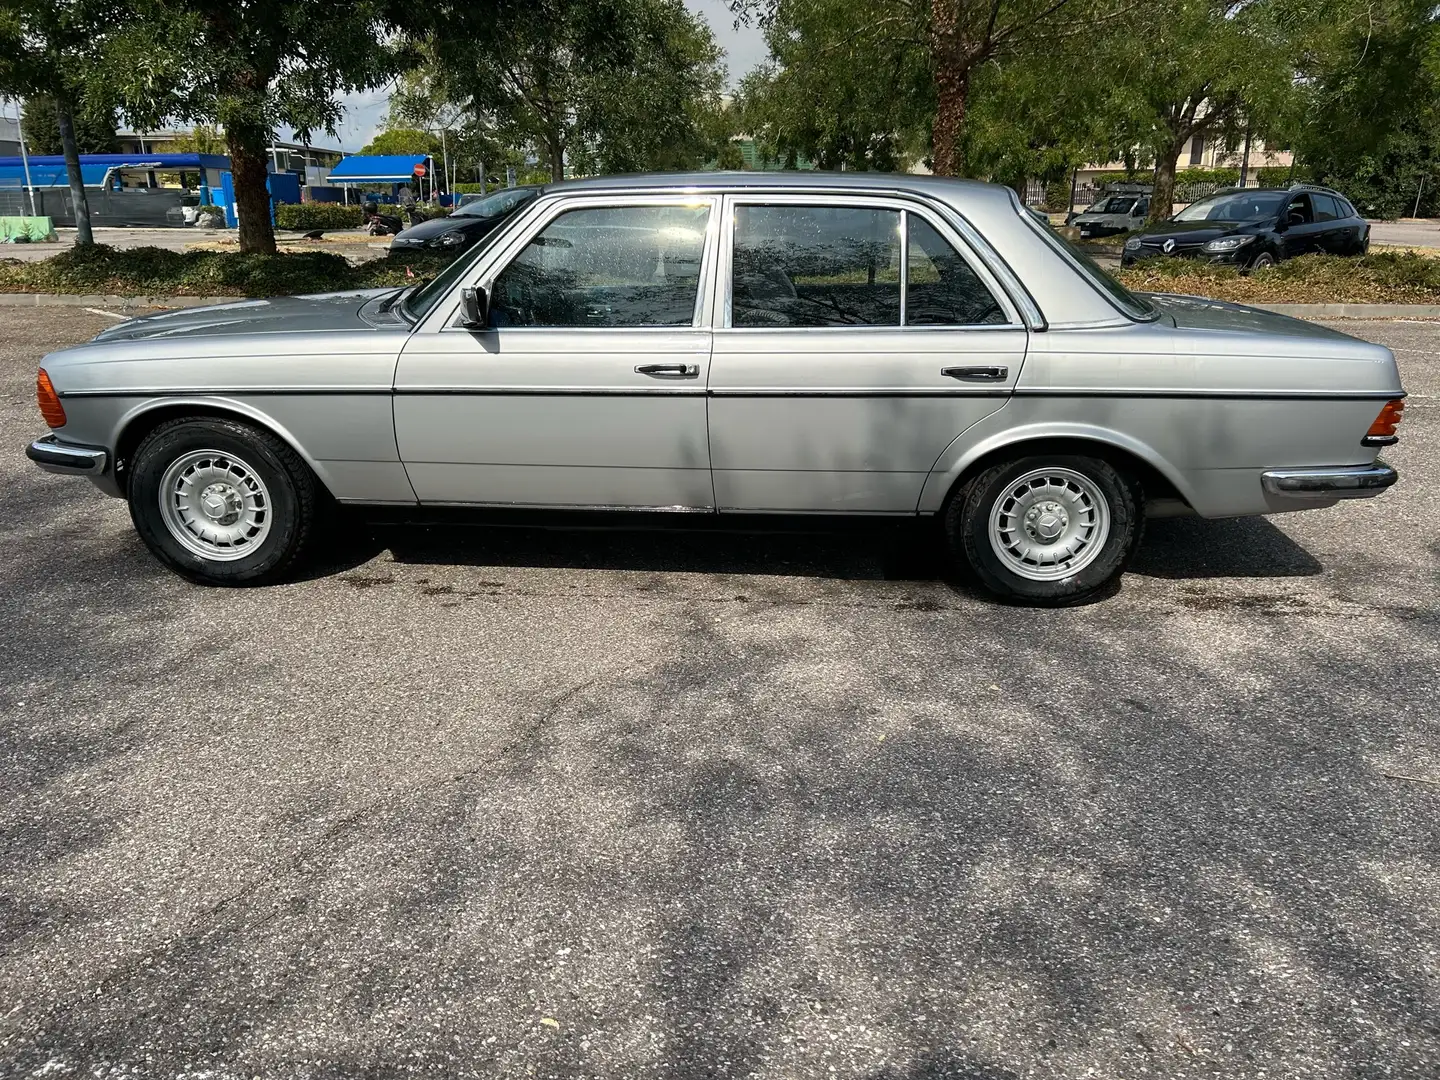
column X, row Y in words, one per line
column 136, row 425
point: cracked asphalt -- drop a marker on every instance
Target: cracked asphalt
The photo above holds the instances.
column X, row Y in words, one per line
column 560, row 803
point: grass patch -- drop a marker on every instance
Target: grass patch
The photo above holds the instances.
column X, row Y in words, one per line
column 99, row 269
column 1381, row 277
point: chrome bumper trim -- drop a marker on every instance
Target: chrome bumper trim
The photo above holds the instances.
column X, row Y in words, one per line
column 56, row 457
column 1356, row 482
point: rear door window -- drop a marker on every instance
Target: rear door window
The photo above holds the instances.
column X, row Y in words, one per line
column 815, row 266
column 1325, row 209
column 941, row 288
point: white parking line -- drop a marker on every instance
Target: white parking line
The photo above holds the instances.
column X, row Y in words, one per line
column 107, row 314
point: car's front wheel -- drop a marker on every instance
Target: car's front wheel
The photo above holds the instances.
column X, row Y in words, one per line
column 1046, row 530
column 1261, row 261
column 221, row 502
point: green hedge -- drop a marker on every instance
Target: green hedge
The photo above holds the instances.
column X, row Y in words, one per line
column 158, row 272
column 306, row 217
column 1057, row 195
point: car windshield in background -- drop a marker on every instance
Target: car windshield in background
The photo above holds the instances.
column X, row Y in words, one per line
column 498, row 204
column 1116, row 204
column 1237, row 206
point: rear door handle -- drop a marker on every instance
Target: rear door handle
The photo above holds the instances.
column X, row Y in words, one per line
column 976, row 374
column 669, row 371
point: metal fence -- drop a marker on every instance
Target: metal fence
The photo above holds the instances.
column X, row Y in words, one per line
column 143, row 207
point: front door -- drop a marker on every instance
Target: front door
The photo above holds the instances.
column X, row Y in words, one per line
column 855, row 341
column 587, row 389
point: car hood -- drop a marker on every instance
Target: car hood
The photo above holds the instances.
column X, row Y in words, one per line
column 429, row 230
column 1198, row 232
column 285, row 314
column 1088, row 218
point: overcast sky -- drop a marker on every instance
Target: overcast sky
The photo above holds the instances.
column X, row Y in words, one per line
column 744, row 48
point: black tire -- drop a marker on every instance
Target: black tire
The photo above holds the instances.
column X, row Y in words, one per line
column 291, row 509
column 1262, row 260
column 967, row 530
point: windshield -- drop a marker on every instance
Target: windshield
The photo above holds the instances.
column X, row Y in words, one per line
column 1116, row 204
column 418, row 304
column 498, row 204
column 1237, row 206
column 1131, row 305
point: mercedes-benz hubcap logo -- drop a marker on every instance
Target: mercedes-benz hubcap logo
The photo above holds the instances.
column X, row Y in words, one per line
column 1168, row 246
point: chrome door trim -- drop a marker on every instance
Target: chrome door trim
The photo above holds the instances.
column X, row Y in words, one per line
column 442, row 317
column 902, row 202
column 619, row 507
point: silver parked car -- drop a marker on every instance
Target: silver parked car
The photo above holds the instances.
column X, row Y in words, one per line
column 761, row 343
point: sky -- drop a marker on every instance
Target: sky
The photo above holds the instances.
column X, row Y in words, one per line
column 744, row 48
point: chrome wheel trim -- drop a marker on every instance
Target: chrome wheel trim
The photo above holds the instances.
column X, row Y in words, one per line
column 215, row 505
column 1049, row 523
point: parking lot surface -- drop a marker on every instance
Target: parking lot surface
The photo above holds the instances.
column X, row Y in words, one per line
column 524, row 802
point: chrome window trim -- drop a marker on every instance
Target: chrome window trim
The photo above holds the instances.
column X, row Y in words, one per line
column 862, row 200
column 544, row 211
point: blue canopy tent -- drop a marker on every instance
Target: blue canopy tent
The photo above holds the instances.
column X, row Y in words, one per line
column 393, row 169
column 111, row 202
column 48, row 170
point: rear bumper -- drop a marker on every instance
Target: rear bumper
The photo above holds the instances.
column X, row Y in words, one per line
column 1352, row 482
column 57, row 457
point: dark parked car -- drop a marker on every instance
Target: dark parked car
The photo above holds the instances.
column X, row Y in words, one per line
column 466, row 225
column 1255, row 228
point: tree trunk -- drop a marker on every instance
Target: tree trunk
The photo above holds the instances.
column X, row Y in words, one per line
column 252, row 201
column 952, row 88
column 83, row 234
column 1163, row 197
column 557, row 158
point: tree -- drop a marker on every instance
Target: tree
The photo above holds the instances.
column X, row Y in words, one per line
column 202, row 139
column 1197, row 69
column 405, row 141
column 252, row 67
column 47, row 49
column 844, row 43
column 617, row 84
column 94, row 128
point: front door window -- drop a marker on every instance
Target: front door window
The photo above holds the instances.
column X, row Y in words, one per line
column 623, row 266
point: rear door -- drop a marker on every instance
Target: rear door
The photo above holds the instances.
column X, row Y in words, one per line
column 855, row 338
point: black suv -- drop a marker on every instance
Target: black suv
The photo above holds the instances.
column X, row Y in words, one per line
column 1256, row 227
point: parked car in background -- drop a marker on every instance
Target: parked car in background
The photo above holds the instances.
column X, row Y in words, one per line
column 762, row 343
column 468, row 224
column 1113, row 214
column 1256, row 227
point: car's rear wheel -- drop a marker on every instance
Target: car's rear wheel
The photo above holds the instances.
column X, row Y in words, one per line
column 221, row 502
column 1046, row 530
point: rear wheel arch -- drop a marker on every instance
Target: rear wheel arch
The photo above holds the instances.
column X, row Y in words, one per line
column 135, row 426
column 1155, row 478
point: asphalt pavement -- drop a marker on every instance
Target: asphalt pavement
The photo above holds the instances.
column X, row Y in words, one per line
column 527, row 802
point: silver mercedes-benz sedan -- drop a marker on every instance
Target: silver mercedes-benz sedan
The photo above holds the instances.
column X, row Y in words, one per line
column 797, row 343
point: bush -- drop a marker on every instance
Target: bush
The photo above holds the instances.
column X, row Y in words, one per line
column 1057, row 196
column 158, row 272
column 307, row 217
column 1277, row 176
column 1386, row 277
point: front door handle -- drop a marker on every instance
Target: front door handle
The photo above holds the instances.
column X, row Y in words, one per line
column 976, row 374
column 669, row 371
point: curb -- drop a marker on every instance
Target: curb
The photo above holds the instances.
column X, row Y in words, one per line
column 124, row 303
column 1354, row 311
column 130, row 303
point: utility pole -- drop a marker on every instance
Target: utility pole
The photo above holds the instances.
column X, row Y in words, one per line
column 25, row 159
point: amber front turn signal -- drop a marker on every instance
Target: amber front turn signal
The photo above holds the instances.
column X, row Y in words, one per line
column 50, row 407
column 1385, row 424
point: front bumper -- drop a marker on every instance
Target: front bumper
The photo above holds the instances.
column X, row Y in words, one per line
column 1351, row 482
column 57, row 457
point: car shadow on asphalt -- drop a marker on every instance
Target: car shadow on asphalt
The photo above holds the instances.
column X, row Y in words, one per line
column 1174, row 548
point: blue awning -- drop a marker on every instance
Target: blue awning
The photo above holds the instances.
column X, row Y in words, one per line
column 375, row 169
column 47, row 176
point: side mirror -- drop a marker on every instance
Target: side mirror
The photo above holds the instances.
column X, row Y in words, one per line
column 474, row 309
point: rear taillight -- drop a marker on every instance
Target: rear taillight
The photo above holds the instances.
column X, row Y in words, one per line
column 1389, row 418
column 50, row 407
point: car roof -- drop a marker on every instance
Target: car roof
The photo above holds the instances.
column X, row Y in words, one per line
column 942, row 187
